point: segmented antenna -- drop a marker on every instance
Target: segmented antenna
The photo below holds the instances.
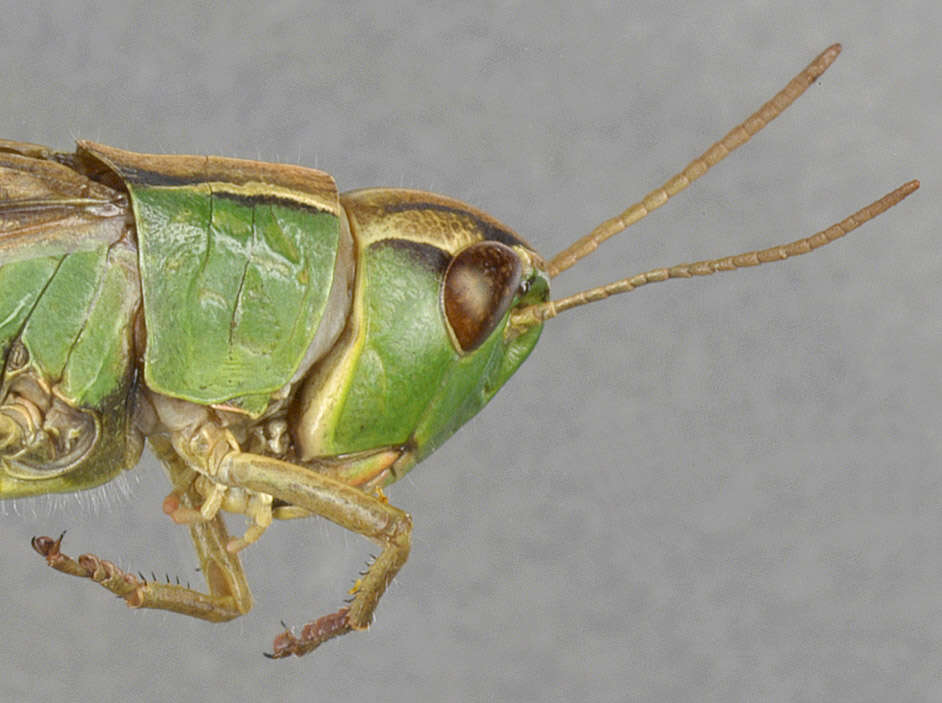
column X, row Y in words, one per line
column 533, row 314
column 736, row 137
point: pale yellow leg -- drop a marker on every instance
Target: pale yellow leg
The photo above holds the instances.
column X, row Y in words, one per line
column 322, row 495
column 346, row 506
column 229, row 594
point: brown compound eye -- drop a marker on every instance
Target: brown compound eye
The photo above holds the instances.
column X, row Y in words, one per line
column 479, row 287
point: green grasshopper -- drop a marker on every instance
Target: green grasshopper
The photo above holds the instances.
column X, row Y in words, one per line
column 287, row 351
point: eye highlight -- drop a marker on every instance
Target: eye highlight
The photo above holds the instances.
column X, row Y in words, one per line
column 479, row 287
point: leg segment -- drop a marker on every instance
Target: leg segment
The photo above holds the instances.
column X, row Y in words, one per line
column 137, row 592
column 228, row 596
column 346, row 506
column 328, row 497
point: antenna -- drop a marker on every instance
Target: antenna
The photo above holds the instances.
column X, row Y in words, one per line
column 736, row 137
column 534, row 314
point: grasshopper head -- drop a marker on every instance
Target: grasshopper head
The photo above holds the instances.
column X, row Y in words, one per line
column 429, row 339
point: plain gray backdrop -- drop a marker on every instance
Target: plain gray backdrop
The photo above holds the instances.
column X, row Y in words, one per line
column 715, row 490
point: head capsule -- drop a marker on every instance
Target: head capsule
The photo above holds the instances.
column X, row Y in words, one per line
column 429, row 340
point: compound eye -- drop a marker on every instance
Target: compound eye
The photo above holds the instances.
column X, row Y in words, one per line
column 480, row 285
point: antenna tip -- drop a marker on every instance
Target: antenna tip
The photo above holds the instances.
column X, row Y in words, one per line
column 905, row 190
column 825, row 59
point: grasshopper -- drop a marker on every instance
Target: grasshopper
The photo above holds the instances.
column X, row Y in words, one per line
column 286, row 350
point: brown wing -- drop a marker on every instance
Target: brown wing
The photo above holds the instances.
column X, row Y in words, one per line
column 48, row 207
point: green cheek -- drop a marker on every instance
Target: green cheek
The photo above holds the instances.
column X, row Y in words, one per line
column 403, row 349
column 406, row 385
column 468, row 385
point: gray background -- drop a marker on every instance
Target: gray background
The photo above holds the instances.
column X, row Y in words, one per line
column 725, row 489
